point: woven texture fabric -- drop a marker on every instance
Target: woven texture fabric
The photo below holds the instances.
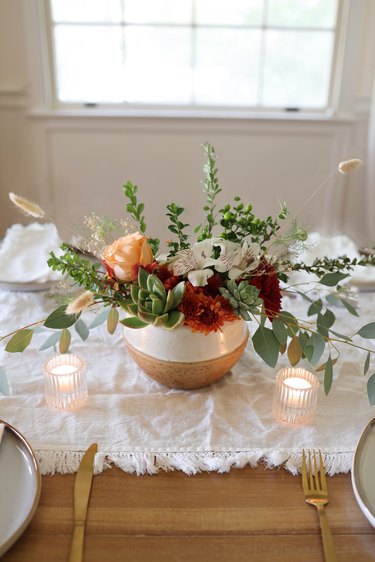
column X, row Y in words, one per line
column 142, row 426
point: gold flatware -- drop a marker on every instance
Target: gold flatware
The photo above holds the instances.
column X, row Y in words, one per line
column 82, row 489
column 315, row 489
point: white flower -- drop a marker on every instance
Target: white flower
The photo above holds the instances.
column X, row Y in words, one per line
column 199, row 257
column 198, row 277
column 246, row 259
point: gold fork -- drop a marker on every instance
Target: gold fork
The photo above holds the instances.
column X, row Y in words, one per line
column 315, row 489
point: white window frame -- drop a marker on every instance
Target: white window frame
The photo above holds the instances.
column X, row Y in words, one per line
column 341, row 96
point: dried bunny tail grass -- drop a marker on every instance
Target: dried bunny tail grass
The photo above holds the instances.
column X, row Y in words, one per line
column 28, row 207
column 348, row 166
column 80, row 304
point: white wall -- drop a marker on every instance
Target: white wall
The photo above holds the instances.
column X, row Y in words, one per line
column 74, row 164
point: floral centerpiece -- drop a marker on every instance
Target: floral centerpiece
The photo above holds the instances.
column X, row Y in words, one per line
column 238, row 267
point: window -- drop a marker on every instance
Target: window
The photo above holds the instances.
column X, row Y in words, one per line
column 253, row 54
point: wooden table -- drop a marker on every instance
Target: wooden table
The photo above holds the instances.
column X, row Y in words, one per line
column 248, row 514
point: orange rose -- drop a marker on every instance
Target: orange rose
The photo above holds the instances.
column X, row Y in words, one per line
column 126, row 253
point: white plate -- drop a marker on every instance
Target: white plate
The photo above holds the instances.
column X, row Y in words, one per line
column 20, row 485
column 26, row 287
column 363, row 472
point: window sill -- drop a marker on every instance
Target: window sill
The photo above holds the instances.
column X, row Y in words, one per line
column 173, row 114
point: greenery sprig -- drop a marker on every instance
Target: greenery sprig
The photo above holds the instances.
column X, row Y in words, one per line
column 177, row 227
column 211, row 189
column 135, row 209
column 239, row 222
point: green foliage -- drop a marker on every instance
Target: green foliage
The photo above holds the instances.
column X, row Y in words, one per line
column 177, row 227
column 367, row 331
column 211, row 189
column 239, row 222
column 58, row 319
column 328, row 375
column 266, row 345
column 51, row 341
column 99, row 319
column 81, row 329
column 65, row 339
column 135, row 209
column 112, row 320
column 19, row 341
column 371, row 390
column 81, row 270
column 321, row 266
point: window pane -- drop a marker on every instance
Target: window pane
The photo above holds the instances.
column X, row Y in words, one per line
column 86, row 10
column 89, row 63
column 158, row 64
column 235, row 12
column 160, row 11
column 297, row 68
column 226, row 66
column 306, row 13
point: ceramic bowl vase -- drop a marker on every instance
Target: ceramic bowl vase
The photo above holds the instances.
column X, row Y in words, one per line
column 184, row 359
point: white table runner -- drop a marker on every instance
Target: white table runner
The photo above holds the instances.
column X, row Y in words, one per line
column 142, row 426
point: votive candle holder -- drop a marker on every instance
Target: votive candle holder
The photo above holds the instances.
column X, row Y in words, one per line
column 295, row 396
column 65, row 385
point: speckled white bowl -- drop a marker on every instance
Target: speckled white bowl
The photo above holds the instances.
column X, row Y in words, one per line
column 184, row 359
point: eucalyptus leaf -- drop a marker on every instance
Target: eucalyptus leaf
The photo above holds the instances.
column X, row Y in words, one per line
column 294, row 351
column 51, row 341
column 331, row 279
column 19, row 341
column 367, row 363
column 318, row 344
column 367, row 331
column 333, row 301
column 81, row 329
column 99, row 319
column 280, row 331
column 315, row 307
column 321, row 325
column 112, row 320
column 371, row 390
column 349, row 307
column 290, row 322
column 58, row 319
column 266, row 345
column 322, row 367
column 4, row 384
column 65, row 339
column 341, row 336
column 328, row 375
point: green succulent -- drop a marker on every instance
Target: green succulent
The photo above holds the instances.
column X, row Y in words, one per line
column 243, row 298
column 150, row 303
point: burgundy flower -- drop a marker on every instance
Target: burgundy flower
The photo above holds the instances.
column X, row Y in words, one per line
column 265, row 279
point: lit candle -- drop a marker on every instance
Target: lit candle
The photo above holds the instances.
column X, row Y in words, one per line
column 65, row 381
column 295, row 396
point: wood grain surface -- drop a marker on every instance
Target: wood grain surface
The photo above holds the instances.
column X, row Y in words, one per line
column 245, row 515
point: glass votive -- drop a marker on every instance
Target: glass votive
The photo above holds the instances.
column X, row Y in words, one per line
column 65, row 384
column 295, row 396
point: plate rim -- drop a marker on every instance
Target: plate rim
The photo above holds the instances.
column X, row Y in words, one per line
column 27, row 286
column 370, row 516
column 36, row 470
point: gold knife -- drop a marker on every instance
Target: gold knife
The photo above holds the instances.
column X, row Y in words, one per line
column 82, row 489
